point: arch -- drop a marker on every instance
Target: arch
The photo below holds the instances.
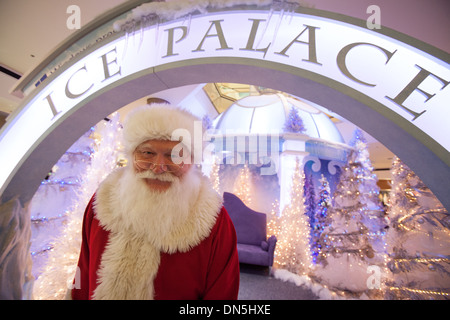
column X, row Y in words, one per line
column 346, row 93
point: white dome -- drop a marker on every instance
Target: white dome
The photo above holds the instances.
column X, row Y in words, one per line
column 267, row 114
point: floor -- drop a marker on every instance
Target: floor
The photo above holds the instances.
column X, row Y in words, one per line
column 258, row 284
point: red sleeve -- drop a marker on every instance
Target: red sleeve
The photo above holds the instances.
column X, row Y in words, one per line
column 223, row 271
column 80, row 287
column 94, row 238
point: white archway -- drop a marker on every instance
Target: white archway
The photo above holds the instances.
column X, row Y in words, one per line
column 379, row 81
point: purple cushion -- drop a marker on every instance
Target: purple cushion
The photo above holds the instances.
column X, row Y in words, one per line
column 264, row 245
column 252, row 255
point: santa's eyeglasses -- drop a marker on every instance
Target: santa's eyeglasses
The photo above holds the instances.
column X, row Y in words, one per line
column 145, row 164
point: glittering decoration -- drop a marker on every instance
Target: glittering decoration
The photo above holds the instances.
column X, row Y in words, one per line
column 319, row 220
column 353, row 238
column 243, row 185
column 310, row 198
column 291, row 227
column 214, row 176
column 418, row 239
column 59, row 254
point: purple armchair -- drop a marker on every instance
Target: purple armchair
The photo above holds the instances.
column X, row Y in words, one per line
column 252, row 243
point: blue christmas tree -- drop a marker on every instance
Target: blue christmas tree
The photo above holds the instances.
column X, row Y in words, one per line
column 310, row 200
column 294, row 122
column 320, row 219
column 207, row 122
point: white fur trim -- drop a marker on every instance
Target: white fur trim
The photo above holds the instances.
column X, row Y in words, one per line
column 128, row 268
column 131, row 258
column 156, row 121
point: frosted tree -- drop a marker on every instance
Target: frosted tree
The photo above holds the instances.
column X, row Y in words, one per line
column 320, row 219
column 310, row 198
column 294, row 122
column 51, row 204
column 291, row 228
column 63, row 251
column 273, row 220
column 355, row 236
column 243, row 185
column 364, row 173
column 418, row 239
column 214, row 176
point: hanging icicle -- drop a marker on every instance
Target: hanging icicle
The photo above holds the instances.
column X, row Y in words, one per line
column 265, row 28
column 176, row 9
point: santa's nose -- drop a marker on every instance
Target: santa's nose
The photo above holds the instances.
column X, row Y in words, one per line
column 159, row 165
column 159, row 168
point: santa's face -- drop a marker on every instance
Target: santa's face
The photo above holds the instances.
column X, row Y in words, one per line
column 153, row 161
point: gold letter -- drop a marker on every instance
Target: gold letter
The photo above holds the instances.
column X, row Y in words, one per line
column 219, row 34
column 343, row 54
column 52, row 105
column 106, row 64
column 311, row 44
column 70, row 94
column 414, row 85
column 252, row 36
column 170, row 40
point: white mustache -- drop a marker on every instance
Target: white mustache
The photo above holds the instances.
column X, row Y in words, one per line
column 164, row 176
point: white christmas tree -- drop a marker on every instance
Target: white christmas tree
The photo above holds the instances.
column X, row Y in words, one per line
column 354, row 240
column 291, row 228
column 63, row 251
column 418, row 239
column 243, row 185
column 214, row 176
column 52, row 202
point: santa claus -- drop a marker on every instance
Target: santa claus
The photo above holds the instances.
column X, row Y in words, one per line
column 156, row 229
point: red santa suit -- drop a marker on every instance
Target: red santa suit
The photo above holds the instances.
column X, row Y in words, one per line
column 179, row 244
column 197, row 260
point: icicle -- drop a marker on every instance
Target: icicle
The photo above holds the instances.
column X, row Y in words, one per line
column 157, row 31
column 125, row 45
column 129, row 29
column 184, row 18
column 189, row 24
column 133, row 32
column 187, row 17
column 292, row 8
column 143, row 24
column 278, row 26
column 265, row 28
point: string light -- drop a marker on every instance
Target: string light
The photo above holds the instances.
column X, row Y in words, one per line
column 417, row 218
column 291, row 228
column 62, row 254
column 214, row 176
column 420, row 291
column 242, row 186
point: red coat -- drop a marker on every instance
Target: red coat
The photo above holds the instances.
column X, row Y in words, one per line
column 210, row 270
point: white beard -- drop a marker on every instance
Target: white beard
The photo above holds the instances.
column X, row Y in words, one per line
column 152, row 213
column 142, row 223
